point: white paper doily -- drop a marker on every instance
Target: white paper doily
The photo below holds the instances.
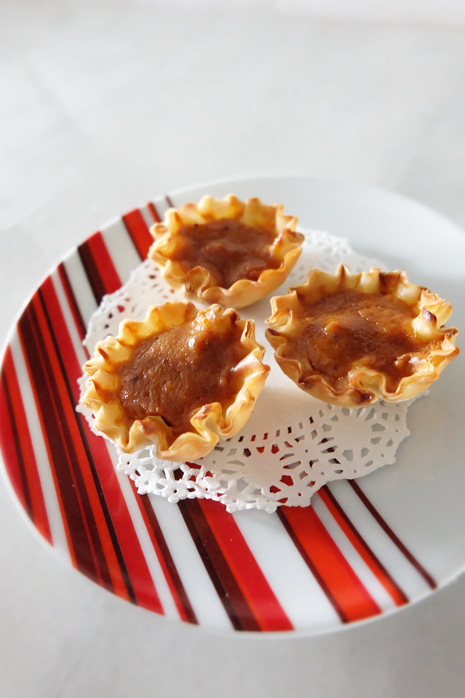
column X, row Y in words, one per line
column 293, row 444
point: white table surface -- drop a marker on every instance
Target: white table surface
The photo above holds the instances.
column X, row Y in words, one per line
column 105, row 105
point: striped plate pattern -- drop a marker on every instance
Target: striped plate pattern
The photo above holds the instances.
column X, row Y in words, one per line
column 308, row 569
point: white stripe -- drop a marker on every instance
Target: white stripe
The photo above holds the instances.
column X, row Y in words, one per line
column 156, row 572
column 40, row 451
column 387, row 552
column 121, row 248
column 293, row 584
column 162, row 206
column 147, row 216
column 357, row 563
column 202, row 595
column 69, row 319
column 80, row 284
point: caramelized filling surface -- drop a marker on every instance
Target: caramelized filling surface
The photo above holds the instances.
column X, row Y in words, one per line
column 229, row 249
column 178, row 371
column 349, row 328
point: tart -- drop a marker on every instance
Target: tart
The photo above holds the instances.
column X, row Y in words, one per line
column 349, row 339
column 180, row 380
column 226, row 251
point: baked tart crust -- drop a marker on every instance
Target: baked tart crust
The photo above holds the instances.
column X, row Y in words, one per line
column 180, row 336
column 226, row 251
column 350, row 338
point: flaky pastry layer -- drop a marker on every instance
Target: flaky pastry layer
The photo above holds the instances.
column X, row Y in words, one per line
column 209, row 423
column 197, row 282
column 362, row 385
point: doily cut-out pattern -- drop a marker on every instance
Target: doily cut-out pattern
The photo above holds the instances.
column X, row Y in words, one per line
column 293, row 444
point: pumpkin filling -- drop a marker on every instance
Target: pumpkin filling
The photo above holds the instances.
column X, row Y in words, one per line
column 349, row 329
column 175, row 373
column 228, row 249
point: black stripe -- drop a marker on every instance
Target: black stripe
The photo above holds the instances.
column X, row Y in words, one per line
column 395, row 539
column 176, row 579
column 90, row 267
column 364, row 543
column 81, row 326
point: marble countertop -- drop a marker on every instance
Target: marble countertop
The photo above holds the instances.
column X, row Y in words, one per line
column 106, row 105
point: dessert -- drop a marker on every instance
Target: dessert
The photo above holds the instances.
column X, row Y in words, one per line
column 349, row 338
column 226, row 251
column 181, row 379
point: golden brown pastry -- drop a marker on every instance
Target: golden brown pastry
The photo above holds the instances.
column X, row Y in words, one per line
column 349, row 338
column 181, row 379
column 226, row 251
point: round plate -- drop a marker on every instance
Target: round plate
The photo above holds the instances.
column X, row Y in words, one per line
column 365, row 548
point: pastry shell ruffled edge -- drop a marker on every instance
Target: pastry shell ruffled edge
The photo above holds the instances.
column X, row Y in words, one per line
column 210, row 422
column 197, row 282
column 365, row 385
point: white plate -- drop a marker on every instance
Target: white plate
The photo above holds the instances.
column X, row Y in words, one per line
column 363, row 550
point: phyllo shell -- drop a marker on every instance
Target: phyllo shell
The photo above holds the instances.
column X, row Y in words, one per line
column 282, row 249
column 350, row 359
column 206, row 424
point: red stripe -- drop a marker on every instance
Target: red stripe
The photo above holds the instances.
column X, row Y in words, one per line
column 160, row 547
column 97, row 491
column 337, row 578
column 61, row 437
column 139, row 232
column 38, row 381
column 100, row 541
column 363, row 549
column 104, row 262
column 99, row 267
column 121, row 522
column 260, row 598
column 84, row 546
column 11, row 449
column 19, row 456
column 222, row 578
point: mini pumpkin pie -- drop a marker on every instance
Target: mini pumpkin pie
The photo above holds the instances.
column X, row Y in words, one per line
column 226, row 251
column 181, row 379
column 349, row 338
